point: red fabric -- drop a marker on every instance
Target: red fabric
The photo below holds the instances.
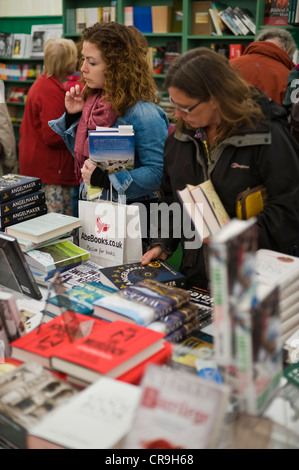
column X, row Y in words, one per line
column 96, row 112
column 42, row 152
column 266, row 66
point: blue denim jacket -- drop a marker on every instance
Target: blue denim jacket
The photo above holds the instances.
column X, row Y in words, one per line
column 150, row 124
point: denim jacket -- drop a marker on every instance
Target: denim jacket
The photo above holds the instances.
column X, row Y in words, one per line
column 150, row 124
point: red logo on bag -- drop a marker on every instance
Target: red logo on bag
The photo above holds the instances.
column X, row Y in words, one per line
column 101, row 226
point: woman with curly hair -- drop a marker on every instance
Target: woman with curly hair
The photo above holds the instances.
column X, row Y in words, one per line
column 119, row 90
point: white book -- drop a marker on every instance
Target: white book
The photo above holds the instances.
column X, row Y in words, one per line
column 277, row 268
column 21, row 46
column 99, row 417
column 40, row 34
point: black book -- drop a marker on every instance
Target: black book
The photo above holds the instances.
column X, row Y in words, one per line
column 22, row 215
column 14, row 270
column 21, row 203
column 13, row 186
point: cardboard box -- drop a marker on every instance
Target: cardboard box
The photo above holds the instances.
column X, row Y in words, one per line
column 161, row 18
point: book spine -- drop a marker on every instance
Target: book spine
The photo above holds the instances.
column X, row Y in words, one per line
column 246, row 19
column 242, row 27
column 19, row 190
column 22, row 215
column 215, row 22
column 228, row 21
column 22, row 203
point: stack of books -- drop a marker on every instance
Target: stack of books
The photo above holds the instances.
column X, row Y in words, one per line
column 274, row 268
column 21, row 198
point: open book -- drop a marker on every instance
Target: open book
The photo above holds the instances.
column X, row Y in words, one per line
column 204, row 207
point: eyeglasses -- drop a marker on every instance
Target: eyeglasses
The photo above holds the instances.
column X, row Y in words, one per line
column 184, row 110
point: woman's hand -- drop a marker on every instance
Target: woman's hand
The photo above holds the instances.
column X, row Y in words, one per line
column 74, row 100
column 154, row 253
column 87, row 170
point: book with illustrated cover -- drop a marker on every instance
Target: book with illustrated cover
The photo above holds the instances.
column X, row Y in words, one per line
column 202, row 298
column 276, row 12
column 40, row 34
column 22, row 203
column 14, row 186
column 15, row 273
column 42, row 228
column 274, row 268
column 22, row 215
column 79, row 299
column 210, row 214
column 57, row 255
column 238, row 22
column 28, row 393
column 21, row 46
column 99, row 417
column 141, row 303
column 129, row 274
column 165, row 419
column 79, row 275
column 230, row 23
column 247, row 17
column 109, row 351
column 232, row 260
column 197, row 346
column 6, row 44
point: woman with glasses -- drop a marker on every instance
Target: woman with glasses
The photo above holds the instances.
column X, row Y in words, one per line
column 232, row 134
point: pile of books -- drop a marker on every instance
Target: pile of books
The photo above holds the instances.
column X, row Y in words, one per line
column 21, row 199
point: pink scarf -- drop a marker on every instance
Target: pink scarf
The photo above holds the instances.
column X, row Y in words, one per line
column 96, row 112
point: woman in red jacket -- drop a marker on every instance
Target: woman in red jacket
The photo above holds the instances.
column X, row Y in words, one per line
column 42, row 152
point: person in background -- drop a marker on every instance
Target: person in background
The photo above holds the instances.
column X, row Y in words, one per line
column 119, row 90
column 231, row 133
column 266, row 62
column 75, row 78
column 8, row 149
column 42, row 153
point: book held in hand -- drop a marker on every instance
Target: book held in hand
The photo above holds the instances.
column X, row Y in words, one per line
column 44, row 227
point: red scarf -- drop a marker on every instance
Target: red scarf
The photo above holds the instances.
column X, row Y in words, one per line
column 96, row 112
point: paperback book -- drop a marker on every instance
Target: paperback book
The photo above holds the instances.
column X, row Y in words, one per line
column 85, row 272
column 141, row 303
column 164, row 418
column 129, row 274
column 197, row 346
column 13, row 186
column 44, row 227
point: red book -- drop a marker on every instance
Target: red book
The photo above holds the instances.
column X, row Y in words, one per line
column 39, row 345
column 111, row 351
column 235, row 50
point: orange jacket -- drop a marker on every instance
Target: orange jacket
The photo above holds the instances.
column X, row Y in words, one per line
column 265, row 66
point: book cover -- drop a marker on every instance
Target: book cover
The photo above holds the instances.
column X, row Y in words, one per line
column 79, row 275
column 28, row 394
column 22, row 203
column 141, row 303
column 276, row 12
column 40, row 34
column 27, row 245
column 22, row 215
column 197, row 346
column 6, row 44
column 129, row 274
column 201, row 20
column 79, row 299
column 14, row 270
column 277, row 268
column 113, row 149
column 56, row 255
column 142, row 18
column 111, row 350
column 21, row 46
column 232, row 261
column 40, row 344
column 44, row 227
column 247, row 17
column 175, row 319
column 235, row 50
column 14, row 186
column 202, row 298
column 104, row 412
column 258, row 351
column 165, row 420
column 244, row 30
column 229, row 22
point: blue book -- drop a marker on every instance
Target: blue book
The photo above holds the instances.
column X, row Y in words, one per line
column 142, row 17
column 112, row 148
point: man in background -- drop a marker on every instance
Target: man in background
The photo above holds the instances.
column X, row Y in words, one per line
column 266, row 62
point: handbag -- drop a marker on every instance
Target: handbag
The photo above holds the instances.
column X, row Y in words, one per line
column 110, row 231
column 251, row 202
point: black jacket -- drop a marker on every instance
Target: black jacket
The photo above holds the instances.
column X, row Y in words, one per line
column 266, row 155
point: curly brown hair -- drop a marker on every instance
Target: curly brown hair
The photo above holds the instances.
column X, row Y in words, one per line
column 128, row 76
column 204, row 74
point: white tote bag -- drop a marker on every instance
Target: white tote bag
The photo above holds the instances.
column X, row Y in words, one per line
column 111, row 232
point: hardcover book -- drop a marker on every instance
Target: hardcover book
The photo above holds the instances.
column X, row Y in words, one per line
column 175, row 319
column 201, row 20
column 141, row 303
column 55, row 256
column 21, row 203
column 202, row 298
column 164, row 418
column 21, row 46
column 14, row 186
column 197, row 346
column 129, row 274
column 6, row 44
column 209, row 212
column 104, row 412
column 22, row 215
column 44, row 227
column 28, row 394
column 111, row 351
column 14, row 270
column 113, row 149
column 276, row 12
